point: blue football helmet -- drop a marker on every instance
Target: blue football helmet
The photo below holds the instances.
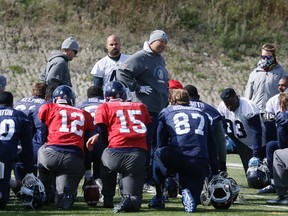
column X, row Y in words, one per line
column 115, row 90
column 258, row 176
column 64, row 94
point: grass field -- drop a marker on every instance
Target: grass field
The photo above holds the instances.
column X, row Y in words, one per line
column 247, row 204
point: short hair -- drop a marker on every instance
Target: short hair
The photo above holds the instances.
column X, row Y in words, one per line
column 227, row 93
column 39, row 90
column 178, row 97
column 283, row 101
column 269, row 48
column 94, row 91
column 192, row 91
column 6, row 98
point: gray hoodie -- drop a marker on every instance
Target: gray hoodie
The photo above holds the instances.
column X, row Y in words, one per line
column 145, row 68
column 56, row 70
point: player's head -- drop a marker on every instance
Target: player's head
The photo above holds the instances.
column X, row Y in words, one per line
column 283, row 101
column 115, row 90
column 230, row 99
column 6, row 98
column 283, row 84
column 39, row 89
column 3, row 82
column 113, row 46
column 178, row 97
column 268, row 50
column 94, row 91
column 64, row 94
column 192, row 92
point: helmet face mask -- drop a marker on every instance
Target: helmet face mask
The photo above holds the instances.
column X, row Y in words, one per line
column 258, row 177
column 64, row 94
column 221, row 191
column 115, row 90
column 32, row 192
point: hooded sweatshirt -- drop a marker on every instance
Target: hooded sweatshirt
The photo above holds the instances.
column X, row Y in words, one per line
column 145, row 68
column 56, row 70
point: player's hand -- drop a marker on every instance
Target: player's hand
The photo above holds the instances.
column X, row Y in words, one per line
column 269, row 116
column 91, row 141
column 145, row 90
column 254, row 161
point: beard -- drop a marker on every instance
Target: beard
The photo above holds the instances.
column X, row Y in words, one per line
column 114, row 52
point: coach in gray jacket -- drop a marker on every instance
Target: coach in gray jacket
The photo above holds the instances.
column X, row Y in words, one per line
column 146, row 76
column 56, row 71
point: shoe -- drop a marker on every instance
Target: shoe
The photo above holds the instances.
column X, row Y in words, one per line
column 280, row 200
column 66, row 200
column 268, row 189
column 124, row 205
column 149, row 189
column 188, row 201
column 157, row 203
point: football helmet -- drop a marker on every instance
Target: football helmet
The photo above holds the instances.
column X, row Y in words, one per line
column 115, row 90
column 91, row 191
column 64, row 94
column 32, row 192
column 258, row 176
column 221, row 191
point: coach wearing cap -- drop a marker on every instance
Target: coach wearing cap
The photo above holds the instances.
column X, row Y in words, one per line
column 244, row 125
column 56, row 71
column 146, row 76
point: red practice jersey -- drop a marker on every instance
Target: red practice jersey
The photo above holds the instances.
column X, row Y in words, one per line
column 126, row 123
column 66, row 124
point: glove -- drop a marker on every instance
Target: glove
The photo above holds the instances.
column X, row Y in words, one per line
column 254, row 162
column 145, row 90
column 230, row 145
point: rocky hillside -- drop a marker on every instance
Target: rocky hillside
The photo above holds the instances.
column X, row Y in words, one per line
column 213, row 44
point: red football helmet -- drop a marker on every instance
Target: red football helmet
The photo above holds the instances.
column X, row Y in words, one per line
column 91, row 192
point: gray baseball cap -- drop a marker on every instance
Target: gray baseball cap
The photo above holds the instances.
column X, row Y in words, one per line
column 70, row 43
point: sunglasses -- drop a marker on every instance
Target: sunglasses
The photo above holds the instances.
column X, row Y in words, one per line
column 266, row 57
column 75, row 52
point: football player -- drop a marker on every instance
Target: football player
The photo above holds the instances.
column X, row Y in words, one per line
column 123, row 130
column 15, row 127
column 282, row 139
column 104, row 70
column 185, row 146
column 30, row 105
column 94, row 99
column 244, row 125
column 63, row 152
column 216, row 122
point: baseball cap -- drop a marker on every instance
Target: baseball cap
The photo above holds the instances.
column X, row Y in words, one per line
column 3, row 82
column 175, row 84
column 227, row 93
column 70, row 43
column 158, row 35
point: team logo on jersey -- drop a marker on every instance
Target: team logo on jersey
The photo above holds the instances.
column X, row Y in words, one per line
column 160, row 73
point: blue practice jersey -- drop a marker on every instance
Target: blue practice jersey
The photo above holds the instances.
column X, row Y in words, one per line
column 15, row 127
column 30, row 106
column 211, row 112
column 282, row 129
column 188, row 129
column 90, row 105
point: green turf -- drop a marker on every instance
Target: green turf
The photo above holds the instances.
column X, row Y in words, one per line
column 247, row 204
